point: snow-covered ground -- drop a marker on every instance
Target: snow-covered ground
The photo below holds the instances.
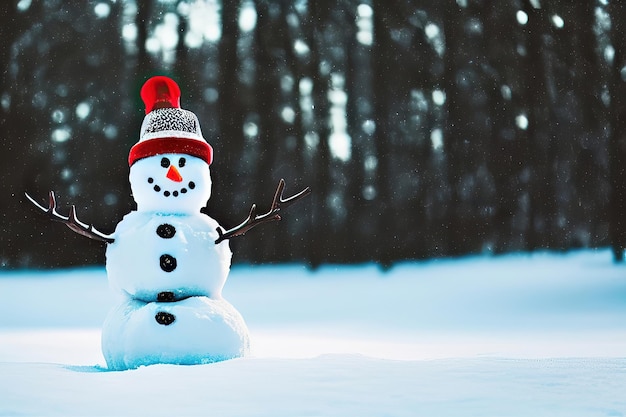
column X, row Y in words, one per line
column 517, row 335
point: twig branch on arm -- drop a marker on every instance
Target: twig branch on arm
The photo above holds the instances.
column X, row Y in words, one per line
column 71, row 221
column 254, row 220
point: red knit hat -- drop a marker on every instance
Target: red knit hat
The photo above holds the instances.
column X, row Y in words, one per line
column 167, row 128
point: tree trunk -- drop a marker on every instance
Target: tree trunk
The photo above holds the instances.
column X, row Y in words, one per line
column 617, row 143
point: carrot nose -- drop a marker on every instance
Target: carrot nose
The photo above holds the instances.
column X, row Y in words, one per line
column 173, row 174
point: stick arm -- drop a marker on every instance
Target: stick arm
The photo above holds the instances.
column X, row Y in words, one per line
column 70, row 221
column 253, row 220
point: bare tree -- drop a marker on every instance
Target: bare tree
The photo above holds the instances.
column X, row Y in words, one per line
column 617, row 143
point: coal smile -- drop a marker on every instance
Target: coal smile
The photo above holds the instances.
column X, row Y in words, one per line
column 167, row 193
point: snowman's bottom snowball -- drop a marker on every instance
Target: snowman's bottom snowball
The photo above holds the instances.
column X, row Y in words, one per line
column 205, row 330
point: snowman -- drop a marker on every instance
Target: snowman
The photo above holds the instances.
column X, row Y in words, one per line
column 168, row 261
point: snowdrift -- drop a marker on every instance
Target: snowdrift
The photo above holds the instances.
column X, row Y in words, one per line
column 517, row 335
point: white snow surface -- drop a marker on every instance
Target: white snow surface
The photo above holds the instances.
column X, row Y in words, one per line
column 515, row 335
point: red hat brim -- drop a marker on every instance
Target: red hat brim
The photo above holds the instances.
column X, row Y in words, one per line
column 160, row 146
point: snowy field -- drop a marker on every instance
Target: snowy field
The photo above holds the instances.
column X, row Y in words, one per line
column 518, row 335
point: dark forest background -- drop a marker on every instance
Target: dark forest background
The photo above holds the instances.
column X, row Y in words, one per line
column 425, row 128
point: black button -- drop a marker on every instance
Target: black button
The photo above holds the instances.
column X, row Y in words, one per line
column 166, row 297
column 166, row 231
column 164, row 318
column 167, row 262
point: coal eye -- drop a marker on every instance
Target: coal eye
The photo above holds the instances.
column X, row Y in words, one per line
column 181, row 162
column 165, row 162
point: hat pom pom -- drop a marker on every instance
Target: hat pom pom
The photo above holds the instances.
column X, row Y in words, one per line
column 160, row 92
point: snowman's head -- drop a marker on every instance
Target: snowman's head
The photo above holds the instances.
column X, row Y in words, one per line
column 169, row 166
column 170, row 183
